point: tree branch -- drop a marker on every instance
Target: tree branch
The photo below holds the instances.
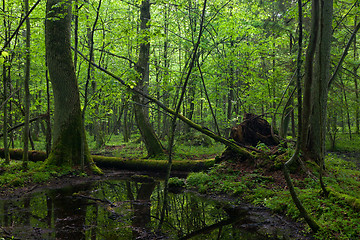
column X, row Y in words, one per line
column 343, row 55
column 230, row 144
column 20, row 24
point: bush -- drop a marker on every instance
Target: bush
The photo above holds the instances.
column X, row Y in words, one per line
column 197, row 179
column 176, row 182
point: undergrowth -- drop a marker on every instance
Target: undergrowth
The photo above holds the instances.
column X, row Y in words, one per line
column 344, row 143
column 338, row 220
column 13, row 175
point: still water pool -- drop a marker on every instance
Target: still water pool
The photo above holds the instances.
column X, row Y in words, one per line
column 129, row 209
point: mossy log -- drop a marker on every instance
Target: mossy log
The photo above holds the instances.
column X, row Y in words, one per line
column 17, row 154
column 152, row 165
column 128, row 164
column 352, row 201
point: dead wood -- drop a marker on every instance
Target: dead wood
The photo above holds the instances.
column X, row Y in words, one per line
column 253, row 130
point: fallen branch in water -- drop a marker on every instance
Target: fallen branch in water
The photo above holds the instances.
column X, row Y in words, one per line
column 107, row 201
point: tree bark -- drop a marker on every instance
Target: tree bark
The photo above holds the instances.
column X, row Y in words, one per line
column 69, row 132
column 5, row 89
column 317, row 75
column 152, row 143
column 27, row 91
column 310, row 221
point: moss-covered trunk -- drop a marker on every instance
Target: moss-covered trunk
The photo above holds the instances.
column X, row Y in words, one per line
column 68, row 127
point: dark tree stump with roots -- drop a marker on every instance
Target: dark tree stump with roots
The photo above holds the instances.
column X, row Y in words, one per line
column 252, row 131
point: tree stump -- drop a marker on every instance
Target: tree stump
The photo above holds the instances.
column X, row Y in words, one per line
column 253, row 130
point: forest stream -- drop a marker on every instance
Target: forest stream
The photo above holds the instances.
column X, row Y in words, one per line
column 125, row 208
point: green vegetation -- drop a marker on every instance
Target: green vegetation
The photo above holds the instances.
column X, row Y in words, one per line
column 338, row 214
column 343, row 143
column 13, row 175
column 176, row 182
column 107, row 77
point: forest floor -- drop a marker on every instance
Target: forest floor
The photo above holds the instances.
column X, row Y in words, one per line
column 260, row 183
column 350, row 156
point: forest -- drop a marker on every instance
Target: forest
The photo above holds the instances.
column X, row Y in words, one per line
column 157, row 119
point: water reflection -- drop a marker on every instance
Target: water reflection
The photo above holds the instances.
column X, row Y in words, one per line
column 116, row 209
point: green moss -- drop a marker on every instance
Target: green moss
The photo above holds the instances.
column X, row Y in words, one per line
column 176, row 182
column 151, row 164
column 66, row 150
column 142, row 178
column 197, row 179
column 352, row 201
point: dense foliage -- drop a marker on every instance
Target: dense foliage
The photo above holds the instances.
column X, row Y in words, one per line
column 246, row 63
column 228, row 58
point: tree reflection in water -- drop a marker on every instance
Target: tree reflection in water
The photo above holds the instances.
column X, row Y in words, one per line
column 115, row 209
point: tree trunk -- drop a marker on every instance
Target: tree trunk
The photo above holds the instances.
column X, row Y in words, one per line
column 357, row 114
column 152, row 143
column 48, row 119
column 317, row 75
column 69, row 131
column 5, row 117
column 27, row 91
column 5, row 107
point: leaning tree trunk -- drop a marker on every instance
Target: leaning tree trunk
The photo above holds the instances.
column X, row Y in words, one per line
column 152, row 143
column 69, row 131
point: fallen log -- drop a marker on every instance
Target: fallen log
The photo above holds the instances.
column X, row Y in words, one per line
column 17, row 154
column 125, row 164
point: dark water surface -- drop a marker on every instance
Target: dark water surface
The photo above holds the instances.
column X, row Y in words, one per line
column 126, row 209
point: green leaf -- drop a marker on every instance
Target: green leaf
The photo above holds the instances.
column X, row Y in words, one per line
column 4, row 54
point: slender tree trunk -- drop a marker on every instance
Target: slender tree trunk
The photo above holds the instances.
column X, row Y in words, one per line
column 176, row 115
column 165, row 79
column 5, row 118
column 191, row 102
column 126, row 131
column 357, row 111
column 69, row 132
column 27, row 91
column 310, row 221
column 48, row 118
column 5, row 89
column 346, row 107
